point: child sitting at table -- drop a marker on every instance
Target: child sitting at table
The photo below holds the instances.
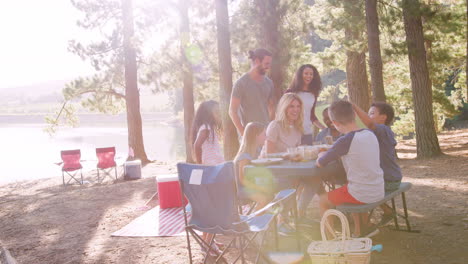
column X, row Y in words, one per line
column 358, row 149
column 330, row 130
column 379, row 119
column 252, row 141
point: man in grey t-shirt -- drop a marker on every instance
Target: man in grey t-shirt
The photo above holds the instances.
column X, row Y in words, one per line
column 251, row 99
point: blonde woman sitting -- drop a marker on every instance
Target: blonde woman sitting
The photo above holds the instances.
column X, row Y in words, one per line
column 285, row 132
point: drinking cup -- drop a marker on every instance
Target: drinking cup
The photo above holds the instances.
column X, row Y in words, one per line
column 301, row 151
column 308, row 153
column 315, row 143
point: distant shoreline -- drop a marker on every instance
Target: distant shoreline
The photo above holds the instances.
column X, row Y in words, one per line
column 163, row 118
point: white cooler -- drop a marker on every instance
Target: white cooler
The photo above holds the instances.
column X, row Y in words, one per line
column 132, row 170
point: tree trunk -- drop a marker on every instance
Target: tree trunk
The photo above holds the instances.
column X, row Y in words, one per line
column 375, row 57
column 269, row 18
column 356, row 77
column 231, row 143
column 187, row 75
column 427, row 144
column 132, row 94
column 356, row 72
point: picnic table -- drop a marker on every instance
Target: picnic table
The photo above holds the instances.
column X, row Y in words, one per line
column 291, row 169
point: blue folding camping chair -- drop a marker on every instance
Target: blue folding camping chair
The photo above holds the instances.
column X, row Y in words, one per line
column 211, row 191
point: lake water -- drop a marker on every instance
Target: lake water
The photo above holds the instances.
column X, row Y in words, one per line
column 30, row 153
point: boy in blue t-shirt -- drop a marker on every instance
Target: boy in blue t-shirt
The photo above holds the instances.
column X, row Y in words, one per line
column 358, row 149
column 379, row 119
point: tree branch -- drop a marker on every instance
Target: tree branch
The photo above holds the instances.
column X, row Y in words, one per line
column 110, row 91
column 60, row 112
column 389, row 5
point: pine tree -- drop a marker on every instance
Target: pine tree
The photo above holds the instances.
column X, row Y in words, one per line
column 231, row 143
column 279, row 26
column 427, row 144
column 269, row 17
column 187, row 76
column 356, row 70
column 115, row 85
column 375, row 57
column 132, row 94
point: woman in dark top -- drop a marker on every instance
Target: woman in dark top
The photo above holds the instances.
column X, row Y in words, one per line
column 307, row 85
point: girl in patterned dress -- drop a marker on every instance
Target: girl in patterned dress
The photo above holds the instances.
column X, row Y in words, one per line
column 206, row 130
column 206, row 147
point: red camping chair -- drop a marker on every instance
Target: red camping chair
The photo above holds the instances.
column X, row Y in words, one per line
column 106, row 161
column 71, row 162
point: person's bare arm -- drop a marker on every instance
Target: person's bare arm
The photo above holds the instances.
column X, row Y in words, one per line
column 233, row 113
column 197, row 146
column 271, row 108
column 318, row 157
column 364, row 117
column 270, row 147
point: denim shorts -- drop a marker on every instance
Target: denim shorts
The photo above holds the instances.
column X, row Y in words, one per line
column 392, row 186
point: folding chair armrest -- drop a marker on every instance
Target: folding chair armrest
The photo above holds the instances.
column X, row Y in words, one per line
column 279, row 197
column 284, row 195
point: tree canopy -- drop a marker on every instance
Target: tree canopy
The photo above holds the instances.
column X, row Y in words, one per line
column 331, row 34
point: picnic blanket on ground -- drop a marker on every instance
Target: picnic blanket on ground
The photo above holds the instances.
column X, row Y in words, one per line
column 156, row 222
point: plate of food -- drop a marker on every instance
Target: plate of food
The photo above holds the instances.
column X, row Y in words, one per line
column 266, row 161
column 277, row 155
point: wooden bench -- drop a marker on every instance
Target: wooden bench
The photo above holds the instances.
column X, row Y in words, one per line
column 363, row 208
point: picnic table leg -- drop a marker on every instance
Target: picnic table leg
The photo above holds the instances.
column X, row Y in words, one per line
column 295, row 225
column 395, row 217
column 408, row 226
column 275, row 231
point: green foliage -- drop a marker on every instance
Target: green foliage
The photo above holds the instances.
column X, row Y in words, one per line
column 444, row 33
column 157, row 41
column 103, row 49
column 66, row 115
column 295, row 24
column 444, row 25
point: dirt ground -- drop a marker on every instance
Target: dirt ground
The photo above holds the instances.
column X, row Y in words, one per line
column 44, row 222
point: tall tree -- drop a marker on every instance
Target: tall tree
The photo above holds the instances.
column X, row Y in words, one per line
column 231, row 143
column 270, row 14
column 375, row 57
column 427, row 144
column 115, row 85
column 132, row 94
column 356, row 70
column 282, row 27
column 187, row 76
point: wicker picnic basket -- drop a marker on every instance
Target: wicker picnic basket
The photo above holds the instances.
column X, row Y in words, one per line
column 342, row 249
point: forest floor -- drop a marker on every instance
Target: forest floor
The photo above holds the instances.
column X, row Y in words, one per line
column 44, row 222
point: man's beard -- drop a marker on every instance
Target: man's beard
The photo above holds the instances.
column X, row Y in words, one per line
column 261, row 70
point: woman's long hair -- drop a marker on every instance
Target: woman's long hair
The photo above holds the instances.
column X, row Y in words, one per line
column 205, row 116
column 315, row 86
column 281, row 116
column 249, row 140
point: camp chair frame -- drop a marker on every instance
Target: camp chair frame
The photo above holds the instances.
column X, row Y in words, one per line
column 106, row 165
column 70, row 165
column 240, row 229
